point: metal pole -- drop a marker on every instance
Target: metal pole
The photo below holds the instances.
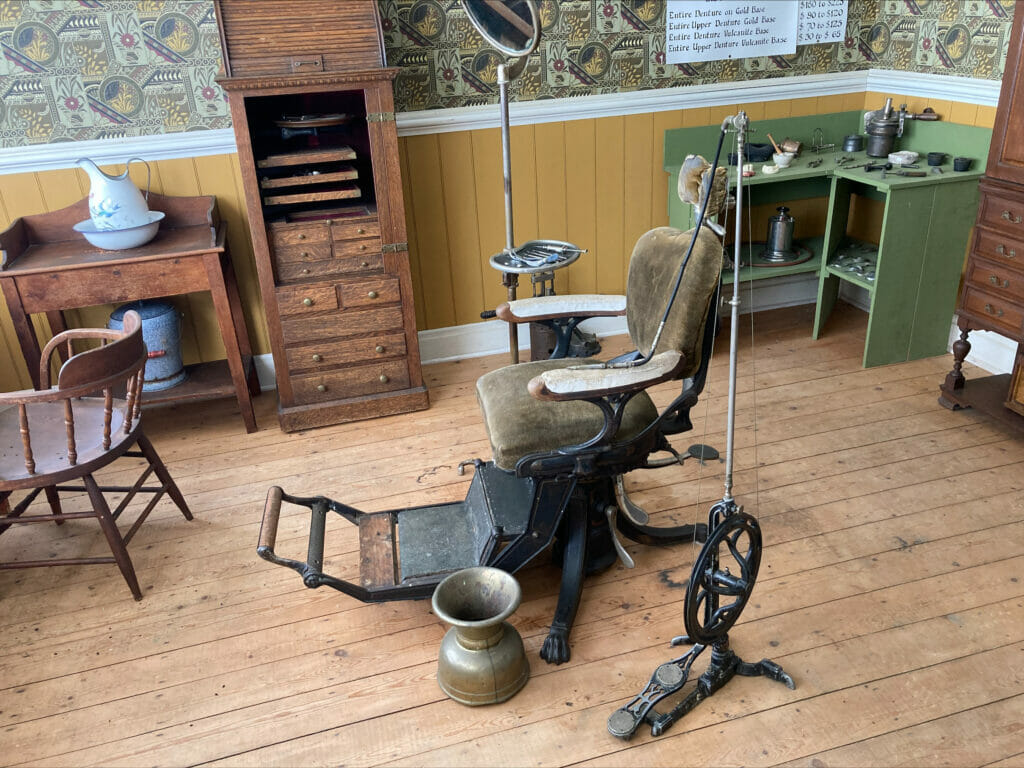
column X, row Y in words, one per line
column 511, row 280
column 740, row 123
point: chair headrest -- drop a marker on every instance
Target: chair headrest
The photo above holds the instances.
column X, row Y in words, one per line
column 694, row 180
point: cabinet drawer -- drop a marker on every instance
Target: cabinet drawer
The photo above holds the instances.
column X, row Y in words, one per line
column 351, row 382
column 998, row 313
column 364, row 247
column 998, row 247
column 991, row 276
column 351, row 230
column 344, row 266
column 1002, row 212
column 294, row 254
column 333, row 353
column 367, row 293
column 299, row 329
column 303, row 299
column 283, row 235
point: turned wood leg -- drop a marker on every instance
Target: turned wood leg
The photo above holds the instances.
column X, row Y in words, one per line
column 961, row 348
column 53, row 498
column 556, row 646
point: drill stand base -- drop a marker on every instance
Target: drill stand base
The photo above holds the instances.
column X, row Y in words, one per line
column 671, row 676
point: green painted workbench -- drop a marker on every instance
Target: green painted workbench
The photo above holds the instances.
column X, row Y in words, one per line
column 925, row 226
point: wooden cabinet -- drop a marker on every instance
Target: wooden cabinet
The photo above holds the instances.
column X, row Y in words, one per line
column 313, row 115
column 993, row 294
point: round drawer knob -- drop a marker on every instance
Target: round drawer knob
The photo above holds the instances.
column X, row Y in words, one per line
column 302, row 235
column 321, row 387
column 362, row 247
column 318, row 358
column 384, row 378
column 304, row 254
column 372, row 294
column 307, row 301
column 305, row 271
column 364, row 263
column 380, row 349
column 361, row 231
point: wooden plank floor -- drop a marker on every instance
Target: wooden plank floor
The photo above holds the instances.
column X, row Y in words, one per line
column 892, row 589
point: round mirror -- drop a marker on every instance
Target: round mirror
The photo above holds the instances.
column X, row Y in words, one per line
column 511, row 26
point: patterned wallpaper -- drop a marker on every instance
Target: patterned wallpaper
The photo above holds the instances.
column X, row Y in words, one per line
column 91, row 69
column 605, row 46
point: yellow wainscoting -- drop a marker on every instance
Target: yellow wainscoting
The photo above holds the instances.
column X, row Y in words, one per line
column 596, row 182
column 219, row 175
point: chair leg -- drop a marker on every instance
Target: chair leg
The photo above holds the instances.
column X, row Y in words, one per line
column 161, row 472
column 556, row 646
column 54, row 500
column 99, row 505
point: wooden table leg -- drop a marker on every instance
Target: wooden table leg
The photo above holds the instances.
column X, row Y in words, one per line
column 228, row 330
column 30, row 349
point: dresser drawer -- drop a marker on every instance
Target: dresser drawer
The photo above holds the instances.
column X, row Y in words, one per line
column 1002, row 212
column 365, row 247
column 333, row 353
column 998, row 313
column 348, row 265
column 303, row 299
column 353, row 381
column 999, row 248
column 283, row 235
column 369, row 293
column 299, row 329
column 988, row 275
column 296, row 254
column 353, row 230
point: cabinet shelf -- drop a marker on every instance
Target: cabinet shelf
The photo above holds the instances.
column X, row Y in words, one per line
column 341, row 192
column 307, row 157
column 344, row 173
column 814, row 244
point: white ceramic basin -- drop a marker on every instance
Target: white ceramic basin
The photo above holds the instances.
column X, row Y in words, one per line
column 120, row 239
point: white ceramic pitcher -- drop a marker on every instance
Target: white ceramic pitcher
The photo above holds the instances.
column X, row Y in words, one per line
column 114, row 201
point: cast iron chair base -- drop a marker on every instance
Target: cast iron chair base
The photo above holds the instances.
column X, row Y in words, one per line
column 504, row 522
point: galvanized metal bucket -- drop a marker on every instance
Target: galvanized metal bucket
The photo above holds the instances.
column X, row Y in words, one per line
column 161, row 330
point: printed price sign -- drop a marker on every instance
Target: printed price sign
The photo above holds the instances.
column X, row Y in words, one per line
column 821, row 21
column 708, row 30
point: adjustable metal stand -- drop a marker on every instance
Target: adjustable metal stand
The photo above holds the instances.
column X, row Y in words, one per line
column 715, row 596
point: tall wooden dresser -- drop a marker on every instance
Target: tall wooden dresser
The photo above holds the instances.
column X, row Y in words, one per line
column 313, row 113
column 993, row 293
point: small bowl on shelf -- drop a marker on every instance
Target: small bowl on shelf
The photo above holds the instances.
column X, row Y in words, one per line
column 783, row 159
column 120, row 239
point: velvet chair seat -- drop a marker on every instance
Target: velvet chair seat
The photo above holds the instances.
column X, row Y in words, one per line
column 518, row 424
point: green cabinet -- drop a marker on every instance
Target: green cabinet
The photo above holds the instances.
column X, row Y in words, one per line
column 910, row 267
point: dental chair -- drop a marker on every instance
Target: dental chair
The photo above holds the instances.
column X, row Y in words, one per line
column 563, row 433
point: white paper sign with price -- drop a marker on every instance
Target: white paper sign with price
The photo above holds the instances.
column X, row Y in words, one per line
column 709, row 30
column 821, row 21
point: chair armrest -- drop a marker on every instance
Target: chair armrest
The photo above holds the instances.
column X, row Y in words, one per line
column 585, row 382
column 66, row 337
column 29, row 396
column 553, row 307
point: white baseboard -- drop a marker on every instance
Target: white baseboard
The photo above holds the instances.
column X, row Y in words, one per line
column 989, row 351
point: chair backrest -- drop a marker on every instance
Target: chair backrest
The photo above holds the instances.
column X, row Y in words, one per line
column 652, row 276
column 110, row 363
column 109, row 370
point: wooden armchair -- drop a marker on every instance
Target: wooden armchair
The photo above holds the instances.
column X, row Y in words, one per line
column 58, row 434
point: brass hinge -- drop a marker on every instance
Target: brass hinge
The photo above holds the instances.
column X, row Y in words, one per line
column 394, row 247
column 380, row 117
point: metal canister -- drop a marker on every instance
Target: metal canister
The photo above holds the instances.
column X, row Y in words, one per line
column 161, row 331
column 779, row 242
column 853, row 143
column 882, row 129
